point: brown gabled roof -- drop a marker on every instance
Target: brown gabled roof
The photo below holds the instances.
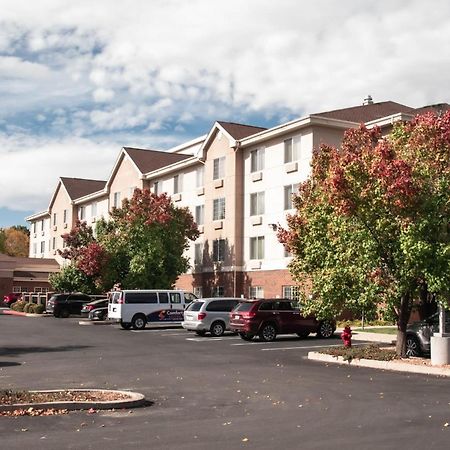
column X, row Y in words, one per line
column 240, row 131
column 79, row 187
column 439, row 108
column 150, row 160
column 367, row 113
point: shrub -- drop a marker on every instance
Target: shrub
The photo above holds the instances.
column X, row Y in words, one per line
column 27, row 307
column 19, row 305
column 39, row 309
column 371, row 351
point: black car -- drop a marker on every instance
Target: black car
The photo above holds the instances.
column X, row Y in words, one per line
column 96, row 310
column 63, row 305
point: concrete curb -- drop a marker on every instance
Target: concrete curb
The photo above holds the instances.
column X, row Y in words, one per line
column 383, row 365
column 10, row 312
column 135, row 399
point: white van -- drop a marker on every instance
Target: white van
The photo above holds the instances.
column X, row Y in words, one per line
column 136, row 308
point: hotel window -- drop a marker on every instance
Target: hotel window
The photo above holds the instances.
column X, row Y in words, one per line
column 289, row 191
column 42, row 225
column 54, row 243
column 116, row 200
column 219, row 168
column 34, row 227
column 291, row 292
column 156, row 187
column 198, row 291
column 219, row 208
column 257, row 203
column 198, row 258
column 257, row 247
column 34, row 248
column 217, row 291
column 17, row 289
column 176, row 184
column 82, row 212
column 291, row 147
column 218, row 250
column 256, row 292
column 257, row 160
column 65, row 216
column 200, row 214
column 42, row 246
column 94, row 209
column 54, row 219
column 199, row 176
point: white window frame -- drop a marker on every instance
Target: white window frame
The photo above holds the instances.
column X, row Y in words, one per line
column 219, row 208
column 116, row 200
column 218, row 291
column 82, row 212
column 257, row 247
column 200, row 176
column 257, row 206
column 289, row 191
column 65, row 216
column 94, row 209
column 177, row 182
column 256, row 292
column 156, row 187
column 291, row 292
column 200, row 214
column 219, row 249
column 257, row 160
column 198, row 253
column 219, row 168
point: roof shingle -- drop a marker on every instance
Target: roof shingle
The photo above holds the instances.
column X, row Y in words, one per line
column 240, row 131
column 367, row 113
column 79, row 187
column 150, row 160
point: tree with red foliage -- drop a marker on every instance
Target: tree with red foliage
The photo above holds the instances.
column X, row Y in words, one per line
column 372, row 221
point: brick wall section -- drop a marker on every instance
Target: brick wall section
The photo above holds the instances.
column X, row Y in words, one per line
column 271, row 280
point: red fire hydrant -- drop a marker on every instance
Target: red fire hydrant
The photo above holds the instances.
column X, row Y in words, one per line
column 346, row 336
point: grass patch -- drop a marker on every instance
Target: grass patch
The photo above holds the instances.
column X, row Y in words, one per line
column 358, row 323
column 384, row 330
column 371, row 351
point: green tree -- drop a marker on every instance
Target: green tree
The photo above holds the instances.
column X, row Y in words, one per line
column 141, row 246
column 72, row 279
column 372, row 222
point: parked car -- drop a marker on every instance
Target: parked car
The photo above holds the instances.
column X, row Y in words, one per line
column 63, row 305
column 11, row 298
column 418, row 334
column 98, row 314
column 267, row 318
column 100, row 305
column 209, row 315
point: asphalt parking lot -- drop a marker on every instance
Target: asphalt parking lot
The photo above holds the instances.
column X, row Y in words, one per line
column 221, row 393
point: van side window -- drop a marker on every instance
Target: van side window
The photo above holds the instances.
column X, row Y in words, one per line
column 175, row 297
column 141, row 297
column 163, row 297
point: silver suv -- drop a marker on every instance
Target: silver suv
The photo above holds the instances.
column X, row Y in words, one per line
column 209, row 315
column 418, row 334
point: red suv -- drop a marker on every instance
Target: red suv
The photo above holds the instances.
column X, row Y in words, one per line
column 11, row 298
column 269, row 317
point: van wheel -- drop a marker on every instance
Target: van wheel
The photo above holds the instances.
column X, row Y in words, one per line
column 246, row 336
column 325, row 329
column 125, row 325
column 138, row 322
column 65, row 313
column 217, row 329
column 268, row 333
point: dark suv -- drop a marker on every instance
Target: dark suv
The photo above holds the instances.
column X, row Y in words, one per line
column 63, row 305
column 269, row 317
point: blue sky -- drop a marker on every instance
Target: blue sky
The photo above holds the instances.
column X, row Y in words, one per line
column 79, row 80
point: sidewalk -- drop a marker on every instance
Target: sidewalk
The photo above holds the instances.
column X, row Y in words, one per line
column 11, row 312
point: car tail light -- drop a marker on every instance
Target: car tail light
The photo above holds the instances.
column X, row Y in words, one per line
column 201, row 316
column 248, row 315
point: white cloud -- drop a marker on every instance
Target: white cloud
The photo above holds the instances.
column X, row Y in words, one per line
column 110, row 67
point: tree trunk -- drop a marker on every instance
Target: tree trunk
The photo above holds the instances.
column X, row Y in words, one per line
column 402, row 323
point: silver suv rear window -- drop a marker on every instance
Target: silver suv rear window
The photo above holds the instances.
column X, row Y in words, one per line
column 195, row 306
